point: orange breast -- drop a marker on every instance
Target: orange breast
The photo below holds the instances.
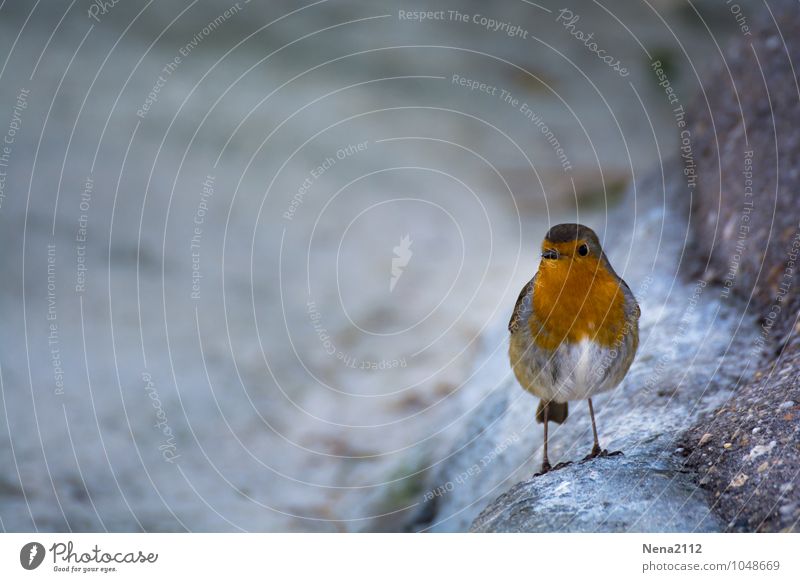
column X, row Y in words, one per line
column 575, row 300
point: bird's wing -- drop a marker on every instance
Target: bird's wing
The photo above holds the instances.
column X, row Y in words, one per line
column 632, row 306
column 516, row 317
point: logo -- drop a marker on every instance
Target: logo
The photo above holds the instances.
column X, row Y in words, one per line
column 31, row 555
column 402, row 254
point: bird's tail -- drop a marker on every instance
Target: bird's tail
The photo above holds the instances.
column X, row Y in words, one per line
column 556, row 412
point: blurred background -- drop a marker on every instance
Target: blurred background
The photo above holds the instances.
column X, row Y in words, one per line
column 254, row 251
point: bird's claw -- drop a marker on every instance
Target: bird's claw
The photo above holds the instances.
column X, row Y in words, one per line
column 598, row 452
column 546, row 468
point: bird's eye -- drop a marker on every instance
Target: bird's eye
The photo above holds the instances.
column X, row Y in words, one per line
column 583, row 250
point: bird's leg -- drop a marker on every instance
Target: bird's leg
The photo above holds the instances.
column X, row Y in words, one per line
column 546, row 467
column 545, row 461
column 597, row 451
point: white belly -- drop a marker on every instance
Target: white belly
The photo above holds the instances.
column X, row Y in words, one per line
column 572, row 372
column 579, row 375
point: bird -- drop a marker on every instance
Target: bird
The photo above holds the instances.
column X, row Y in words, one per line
column 574, row 331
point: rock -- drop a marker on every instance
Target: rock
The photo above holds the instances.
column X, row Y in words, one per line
column 749, row 244
column 739, row 480
column 759, row 450
column 631, row 493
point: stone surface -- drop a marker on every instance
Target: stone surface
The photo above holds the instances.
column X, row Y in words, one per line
column 631, row 493
column 751, row 244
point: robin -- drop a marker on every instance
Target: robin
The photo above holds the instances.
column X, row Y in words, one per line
column 575, row 328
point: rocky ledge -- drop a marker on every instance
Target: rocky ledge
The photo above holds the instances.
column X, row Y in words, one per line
column 634, row 492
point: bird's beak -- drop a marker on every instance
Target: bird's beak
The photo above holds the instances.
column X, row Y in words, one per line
column 550, row 254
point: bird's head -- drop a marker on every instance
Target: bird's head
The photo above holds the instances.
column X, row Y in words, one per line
column 567, row 246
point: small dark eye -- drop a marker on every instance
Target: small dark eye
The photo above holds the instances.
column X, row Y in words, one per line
column 583, row 250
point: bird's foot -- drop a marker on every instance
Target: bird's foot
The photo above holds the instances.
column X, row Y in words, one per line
column 546, row 468
column 598, row 452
